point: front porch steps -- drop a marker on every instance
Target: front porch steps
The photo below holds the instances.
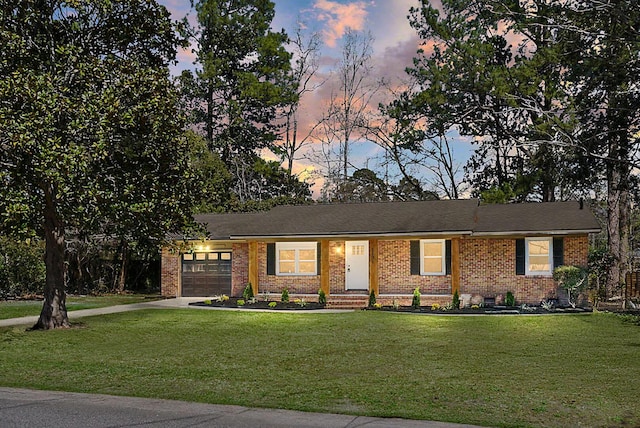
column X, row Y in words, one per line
column 347, row 301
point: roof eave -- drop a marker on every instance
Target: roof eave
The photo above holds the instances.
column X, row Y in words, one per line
column 354, row 235
column 537, row 232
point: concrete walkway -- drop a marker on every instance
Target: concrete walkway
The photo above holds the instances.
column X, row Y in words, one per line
column 180, row 302
column 22, row 408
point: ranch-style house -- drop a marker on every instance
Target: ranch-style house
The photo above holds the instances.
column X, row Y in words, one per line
column 390, row 248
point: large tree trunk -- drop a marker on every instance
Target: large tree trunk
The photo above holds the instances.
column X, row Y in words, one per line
column 54, row 310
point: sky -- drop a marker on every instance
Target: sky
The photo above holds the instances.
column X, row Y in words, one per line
column 394, row 46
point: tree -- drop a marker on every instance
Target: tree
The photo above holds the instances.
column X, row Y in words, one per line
column 242, row 84
column 91, row 137
column 566, row 94
column 345, row 117
column 475, row 81
column 306, row 57
column 603, row 46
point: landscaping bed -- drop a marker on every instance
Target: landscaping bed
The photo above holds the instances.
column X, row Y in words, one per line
column 240, row 303
column 493, row 310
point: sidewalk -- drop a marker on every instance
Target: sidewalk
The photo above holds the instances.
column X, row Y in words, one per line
column 156, row 304
column 22, row 408
column 180, row 302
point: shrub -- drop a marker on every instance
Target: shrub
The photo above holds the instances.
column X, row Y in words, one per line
column 247, row 293
column 395, row 304
column 207, row 302
column 22, row 269
column 510, row 300
column 435, row 306
column 372, row 299
column 455, row 303
column 273, row 304
column 322, row 297
column 377, row 305
column 224, row 298
column 240, row 302
column 285, row 296
column 415, row 302
column 547, row 305
column 571, row 278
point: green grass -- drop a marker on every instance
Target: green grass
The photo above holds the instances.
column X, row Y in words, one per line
column 25, row 308
column 500, row 371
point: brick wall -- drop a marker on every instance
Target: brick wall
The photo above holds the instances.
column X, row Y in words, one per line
column 394, row 272
column 337, row 267
column 239, row 268
column 488, row 266
column 169, row 273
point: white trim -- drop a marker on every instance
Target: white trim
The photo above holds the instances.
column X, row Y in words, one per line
column 297, row 246
column 442, row 243
column 527, row 264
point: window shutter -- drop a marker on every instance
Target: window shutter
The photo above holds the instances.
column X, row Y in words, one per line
column 520, row 257
column 415, row 257
column 447, row 256
column 271, row 258
column 319, row 257
column 558, row 252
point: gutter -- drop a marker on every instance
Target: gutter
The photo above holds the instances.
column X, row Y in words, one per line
column 354, row 235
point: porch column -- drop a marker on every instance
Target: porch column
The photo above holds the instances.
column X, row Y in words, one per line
column 325, row 283
column 455, row 265
column 253, row 266
column 373, row 267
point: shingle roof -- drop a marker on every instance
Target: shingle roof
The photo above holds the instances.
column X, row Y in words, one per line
column 401, row 218
column 552, row 217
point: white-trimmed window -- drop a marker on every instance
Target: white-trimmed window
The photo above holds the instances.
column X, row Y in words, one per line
column 539, row 256
column 296, row 258
column 432, row 257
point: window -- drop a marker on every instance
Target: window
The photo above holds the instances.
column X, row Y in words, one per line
column 296, row 258
column 539, row 256
column 432, row 257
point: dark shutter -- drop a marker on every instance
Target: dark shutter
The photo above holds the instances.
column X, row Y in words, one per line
column 558, row 252
column 319, row 256
column 520, row 257
column 271, row 258
column 415, row 257
column 447, row 256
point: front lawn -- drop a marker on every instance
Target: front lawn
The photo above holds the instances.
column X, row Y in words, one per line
column 557, row 370
column 25, row 308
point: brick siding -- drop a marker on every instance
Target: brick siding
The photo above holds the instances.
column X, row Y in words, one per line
column 170, row 273
column 394, row 272
column 487, row 268
column 239, row 268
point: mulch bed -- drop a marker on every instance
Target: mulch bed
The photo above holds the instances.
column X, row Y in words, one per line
column 494, row 310
column 260, row 304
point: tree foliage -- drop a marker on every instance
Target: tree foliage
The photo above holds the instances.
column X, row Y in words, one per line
column 91, row 139
column 549, row 90
column 242, row 79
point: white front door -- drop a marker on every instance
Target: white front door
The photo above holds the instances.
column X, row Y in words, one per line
column 357, row 265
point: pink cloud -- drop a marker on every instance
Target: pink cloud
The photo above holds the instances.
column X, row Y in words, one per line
column 339, row 17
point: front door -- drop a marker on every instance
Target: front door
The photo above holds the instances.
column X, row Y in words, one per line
column 357, row 265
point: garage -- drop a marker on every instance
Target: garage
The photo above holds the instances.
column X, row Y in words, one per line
column 206, row 274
